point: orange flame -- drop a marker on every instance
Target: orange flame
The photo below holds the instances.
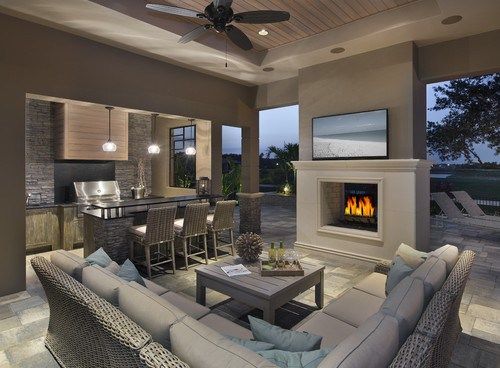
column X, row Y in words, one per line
column 359, row 206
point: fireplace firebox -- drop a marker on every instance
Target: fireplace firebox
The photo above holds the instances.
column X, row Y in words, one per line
column 350, row 206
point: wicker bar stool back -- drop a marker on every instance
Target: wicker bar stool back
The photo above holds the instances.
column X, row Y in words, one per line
column 193, row 225
column 158, row 232
column 222, row 220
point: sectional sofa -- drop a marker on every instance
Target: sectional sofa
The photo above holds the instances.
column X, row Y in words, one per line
column 416, row 325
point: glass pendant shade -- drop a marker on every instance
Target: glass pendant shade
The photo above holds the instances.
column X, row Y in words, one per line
column 109, row 146
column 190, row 151
column 153, row 149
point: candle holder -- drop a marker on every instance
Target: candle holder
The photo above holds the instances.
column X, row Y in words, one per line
column 203, row 186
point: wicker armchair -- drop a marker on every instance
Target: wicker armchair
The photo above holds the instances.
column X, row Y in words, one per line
column 193, row 225
column 222, row 220
column 158, row 232
column 85, row 331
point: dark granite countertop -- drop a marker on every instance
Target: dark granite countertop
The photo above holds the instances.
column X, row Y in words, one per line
column 151, row 201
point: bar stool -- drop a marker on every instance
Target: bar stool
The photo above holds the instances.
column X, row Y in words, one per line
column 222, row 220
column 158, row 231
column 193, row 225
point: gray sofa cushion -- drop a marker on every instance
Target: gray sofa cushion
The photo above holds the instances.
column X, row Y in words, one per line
column 69, row 262
column 354, row 307
column 154, row 287
column 102, row 282
column 332, row 329
column 226, row 327
column 449, row 254
column 405, row 303
column 200, row 346
column 433, row 273
column 373, row 345
column 152, row 312
column 189, row 307
column 373, row 284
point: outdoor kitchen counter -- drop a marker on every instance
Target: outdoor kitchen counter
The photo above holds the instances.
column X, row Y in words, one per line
column 106, row 224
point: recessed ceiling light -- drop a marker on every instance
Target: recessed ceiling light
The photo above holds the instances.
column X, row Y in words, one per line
column 337, row 50
column 268, row 69
column 451, row 20
column 263, row 32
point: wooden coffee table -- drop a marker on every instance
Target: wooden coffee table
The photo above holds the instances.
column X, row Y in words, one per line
column 265, row 293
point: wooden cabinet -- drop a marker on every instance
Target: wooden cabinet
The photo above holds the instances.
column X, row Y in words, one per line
column 81, row 131
column 42, row 230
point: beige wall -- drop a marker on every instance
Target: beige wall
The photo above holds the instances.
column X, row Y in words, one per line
column 379, row 79
column 160, row 166
column 281, row 93
column 474, row 55
column 40, row 60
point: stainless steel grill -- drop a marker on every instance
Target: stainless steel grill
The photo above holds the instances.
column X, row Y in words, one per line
column 92, row 192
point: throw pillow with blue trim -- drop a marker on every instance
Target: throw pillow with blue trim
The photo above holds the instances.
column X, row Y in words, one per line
column 251, row 344
column 399, row 270
column 283, row 339
column 128, row 272
column 290, row 359
column 99, row 257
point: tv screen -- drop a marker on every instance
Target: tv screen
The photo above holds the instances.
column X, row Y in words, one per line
column 361, row 135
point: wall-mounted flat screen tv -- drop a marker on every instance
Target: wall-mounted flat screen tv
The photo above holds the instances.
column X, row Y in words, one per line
column 360, row 135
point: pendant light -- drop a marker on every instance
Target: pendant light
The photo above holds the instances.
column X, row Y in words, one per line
column 190, row 151
column 109, row 146
column 153, row 148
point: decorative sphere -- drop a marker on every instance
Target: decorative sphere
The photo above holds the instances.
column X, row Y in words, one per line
column 249, row 247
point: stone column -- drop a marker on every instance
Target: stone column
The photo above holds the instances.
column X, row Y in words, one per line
column 216, row 158
column 250, row 212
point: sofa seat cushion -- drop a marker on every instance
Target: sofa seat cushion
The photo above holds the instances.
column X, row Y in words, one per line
column 226, row 327
column 152, row 312
column 354, row 307
column 373, row 284
column 154, row 287
column 189, row 307
column 331, row 329
column 374, row 344
column 102, row 282
column 69, row 262
column 200, row 346
column 433, row 274
column 449, row 254
column 405, row 303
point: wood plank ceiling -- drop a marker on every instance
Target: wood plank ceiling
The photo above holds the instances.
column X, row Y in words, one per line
column 308, row 17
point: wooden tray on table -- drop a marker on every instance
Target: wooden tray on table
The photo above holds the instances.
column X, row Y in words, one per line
column 267, row 270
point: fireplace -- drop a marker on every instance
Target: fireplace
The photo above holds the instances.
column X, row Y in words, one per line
column 350, row 207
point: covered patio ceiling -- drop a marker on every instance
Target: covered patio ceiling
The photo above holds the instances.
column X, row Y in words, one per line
column 304, row 41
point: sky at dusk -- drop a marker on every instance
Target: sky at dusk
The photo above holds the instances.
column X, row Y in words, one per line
column 281, row 125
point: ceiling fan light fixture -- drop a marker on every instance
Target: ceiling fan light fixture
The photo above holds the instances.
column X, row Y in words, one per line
column 337, row 50
column 268, row 69
column 451, row 20
column 263, row 32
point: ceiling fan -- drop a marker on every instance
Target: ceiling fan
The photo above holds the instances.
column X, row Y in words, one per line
column 220, row 14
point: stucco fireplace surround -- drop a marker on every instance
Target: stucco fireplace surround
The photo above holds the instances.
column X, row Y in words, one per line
column 362, row 209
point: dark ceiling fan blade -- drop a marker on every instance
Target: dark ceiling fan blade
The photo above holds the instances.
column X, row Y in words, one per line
column 174, row 10
column 238, row 38
column 225, row 3
column 195, row 33
column 262, row 16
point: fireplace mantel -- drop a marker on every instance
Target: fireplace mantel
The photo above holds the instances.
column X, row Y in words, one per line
column 403, row 207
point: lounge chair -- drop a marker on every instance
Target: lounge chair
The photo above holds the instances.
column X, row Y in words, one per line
column 472, row 208
column 454, row 214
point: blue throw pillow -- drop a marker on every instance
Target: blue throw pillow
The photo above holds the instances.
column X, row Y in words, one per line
column 289, row 359
column 398, row 271
column 99, row 257
column 128, row 272
column 251, row 344
column 283, row 339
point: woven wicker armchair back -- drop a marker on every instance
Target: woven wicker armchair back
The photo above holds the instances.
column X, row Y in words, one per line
column 224, row 215
column 160, row 225
column 432, row 341
column 195, row 219
column 86, row 331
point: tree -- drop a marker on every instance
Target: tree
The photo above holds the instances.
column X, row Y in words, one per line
column 284, row 157
column 473, row 106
